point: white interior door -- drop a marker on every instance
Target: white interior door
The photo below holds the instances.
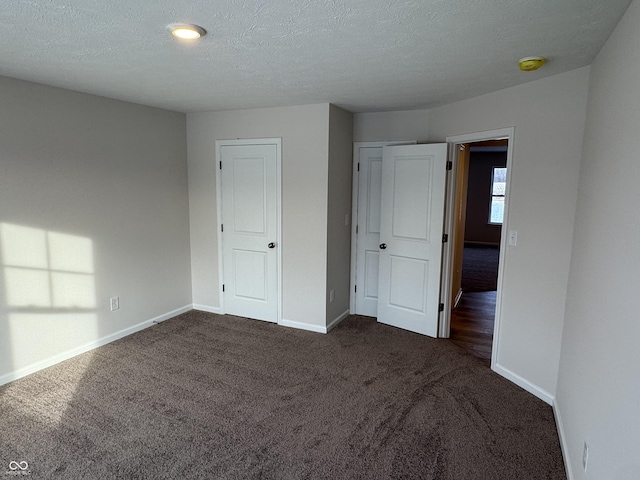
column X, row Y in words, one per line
column 368, row 236
column 367, row 185
column 249, row 230
column 411, row 226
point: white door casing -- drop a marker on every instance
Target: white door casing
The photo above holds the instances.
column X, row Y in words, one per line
column 367, row 184
column 249, row 227
column 454, row 141
column 411, row 228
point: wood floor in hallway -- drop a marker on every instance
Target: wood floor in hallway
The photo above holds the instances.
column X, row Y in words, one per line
column 472, row 323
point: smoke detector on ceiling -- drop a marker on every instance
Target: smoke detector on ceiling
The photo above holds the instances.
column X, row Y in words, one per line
column 529, row 64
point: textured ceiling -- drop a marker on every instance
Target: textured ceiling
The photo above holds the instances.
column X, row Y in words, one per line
column 363, row 55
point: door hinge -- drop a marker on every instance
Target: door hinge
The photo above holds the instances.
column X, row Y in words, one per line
column 358, row 166
column 441, row 307
column 449, row 165
column 222, row 227
column 355, row 288
column 445, row 238
column 220, row 164
column 223, row 287
column 356, row 228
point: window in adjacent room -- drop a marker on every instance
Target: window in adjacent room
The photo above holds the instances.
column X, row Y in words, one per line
column 498, row 184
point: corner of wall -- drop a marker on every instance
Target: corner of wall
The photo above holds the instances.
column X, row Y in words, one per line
column 338, row 228
column 564, row 447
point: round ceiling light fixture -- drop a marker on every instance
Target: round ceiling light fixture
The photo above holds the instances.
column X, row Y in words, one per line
column 186, row 31
column 529, row 64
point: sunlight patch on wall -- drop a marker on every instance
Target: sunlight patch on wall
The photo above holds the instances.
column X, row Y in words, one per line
column 27, row 288
column 49, row 294
column 23, row 246
column 70, row 253
column 47, row 269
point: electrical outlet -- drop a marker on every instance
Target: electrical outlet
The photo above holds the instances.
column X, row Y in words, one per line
column 115, row 303
column 346, row 219
column 513, row 238
column 585, row 456
column 332, row 296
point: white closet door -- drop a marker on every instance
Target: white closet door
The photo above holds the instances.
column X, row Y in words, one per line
column 369, row 187
column 411, row 227
column 249, row 219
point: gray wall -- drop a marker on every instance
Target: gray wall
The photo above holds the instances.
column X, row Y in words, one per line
column 477, row 228
column 598, row 394
column 546, row 165
column 339, row 205
column 544, row 184
column 409, row 125
column 93, row 204
column 305, row 150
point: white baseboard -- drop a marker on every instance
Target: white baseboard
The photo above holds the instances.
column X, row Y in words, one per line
column 164, row 316
column 23, row 372
column 485, row 244
column 314, row 328
column 563, row 440
column 303, row 326
column 523, row 383
column 334, row 323
column 207, row 308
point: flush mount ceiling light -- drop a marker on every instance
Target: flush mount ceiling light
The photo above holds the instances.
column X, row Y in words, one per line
column 186, row 31
column 529, row 64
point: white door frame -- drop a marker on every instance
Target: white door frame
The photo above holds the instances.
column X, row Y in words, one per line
column 239, row 142
column 447, row 261
column 354, row 209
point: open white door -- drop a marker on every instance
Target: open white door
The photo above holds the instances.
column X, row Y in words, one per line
column 249, row 230
column 367, row 184
column 411, row 227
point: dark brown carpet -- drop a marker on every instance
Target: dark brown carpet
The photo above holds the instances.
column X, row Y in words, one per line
column 480, row 268
column 209, row 396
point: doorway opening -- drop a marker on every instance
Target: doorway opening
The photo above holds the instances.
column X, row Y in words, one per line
column 476, row 220
column 482, row 184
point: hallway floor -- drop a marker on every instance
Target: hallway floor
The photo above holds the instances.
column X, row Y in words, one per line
column 472, row 323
